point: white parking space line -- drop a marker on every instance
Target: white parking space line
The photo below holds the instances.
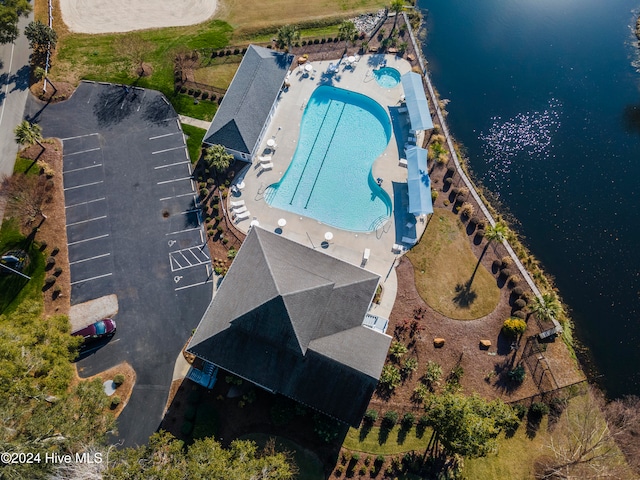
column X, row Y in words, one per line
column 165, row 135
column 83, row 168
column 182, row 231
column 86, row 221
column 89, row 239
column 90, row 258
column 92, row 278
column 190, row 194
column 193, row 285
column 171, row 165
column 88, row 201
column 79, row 136
column 168, row 149
column 85, row 185
column 82, row 151
column 171, row 181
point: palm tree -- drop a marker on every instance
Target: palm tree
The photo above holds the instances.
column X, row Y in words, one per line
column 217, row 158
column 396, row 6
column 546, row 307
column 287, row 34
column 28, row 133
column 348, row 32
column 497, row 232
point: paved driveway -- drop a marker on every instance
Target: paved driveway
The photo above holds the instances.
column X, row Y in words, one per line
column 133, row 230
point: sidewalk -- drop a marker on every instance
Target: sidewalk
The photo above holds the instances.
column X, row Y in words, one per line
column 194, row 122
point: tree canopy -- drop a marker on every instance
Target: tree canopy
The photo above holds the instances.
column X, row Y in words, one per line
column 468, row 426
column 348, row 32
column 165, row 457
column 216, row 157
column 10, row 13
column 40, row 36
column 40, row 411
column 287, row 34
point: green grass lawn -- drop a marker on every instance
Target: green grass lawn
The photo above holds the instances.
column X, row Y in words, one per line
column 103, row 58
column 194, row 141
column 218, row 75
column 397, row 441
column 307, row 462
column 443, row 264
column 14, row 288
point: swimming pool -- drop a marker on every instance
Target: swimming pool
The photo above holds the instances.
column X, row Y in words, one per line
column 329, row 179
column 387, row 77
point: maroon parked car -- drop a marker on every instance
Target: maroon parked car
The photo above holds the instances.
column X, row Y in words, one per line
column 103, row 328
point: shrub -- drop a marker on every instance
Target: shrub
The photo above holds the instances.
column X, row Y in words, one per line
column 467, row 209
column 379, row 460
column 338, row 471
column 519, row 303
column 55, row 251
column 50, row 280
column 51, row 261
column 356, row 457
column 433, row 374
column 118, row 379
column 390, row 377
column 519, row 314
column 57, row 271
column 362, row 470
column 518, row 291
column 371, row 416
column 236, row 51
column 497, row 264
column 538, row 409
column 115, row 401
column 205, row 95
column 480, row 232
column 448, row 181
column 57, row 290
column 409, row 366
column 397, row 350
column 513, row 280
column 303, row 43
column 323, row 41
column 513, row 327
column 326, row 428
column 390, row 419
column 316, row 41
column 519, row 410
column 506, row 272
column 407, row 420
column 518, row 374
column 204, row 192
column 434, row 195
column 420, row 393
column 506, row 261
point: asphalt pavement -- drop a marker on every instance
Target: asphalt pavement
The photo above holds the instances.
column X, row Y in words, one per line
column 14, row 89
column 133, row 230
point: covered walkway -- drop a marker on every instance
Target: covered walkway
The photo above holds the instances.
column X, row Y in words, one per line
column 418, row 182
column 416, row 102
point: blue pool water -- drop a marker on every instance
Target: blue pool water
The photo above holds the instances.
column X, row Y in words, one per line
column 387, row 77
column 329, row 179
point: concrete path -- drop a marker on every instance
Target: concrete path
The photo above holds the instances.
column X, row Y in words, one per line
column 194, row 122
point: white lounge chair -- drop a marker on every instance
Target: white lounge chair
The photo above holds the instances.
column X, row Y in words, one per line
column 237, row 204
column 264, row 159
column 403, row 162
column 402, row 110
column 240, row 210
column 266, row 166
column 397, row 248
column 409, row 240
column 357, row 59
column 242, row 216
column 365, row 255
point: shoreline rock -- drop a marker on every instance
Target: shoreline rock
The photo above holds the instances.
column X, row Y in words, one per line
column 638, row 28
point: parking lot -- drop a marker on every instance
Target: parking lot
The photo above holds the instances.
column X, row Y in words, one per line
column 133, row 230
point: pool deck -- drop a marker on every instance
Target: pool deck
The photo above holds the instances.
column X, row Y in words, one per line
column 284, row 129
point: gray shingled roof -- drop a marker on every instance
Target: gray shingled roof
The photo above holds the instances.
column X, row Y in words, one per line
column 289, row 318
column 246, row 105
